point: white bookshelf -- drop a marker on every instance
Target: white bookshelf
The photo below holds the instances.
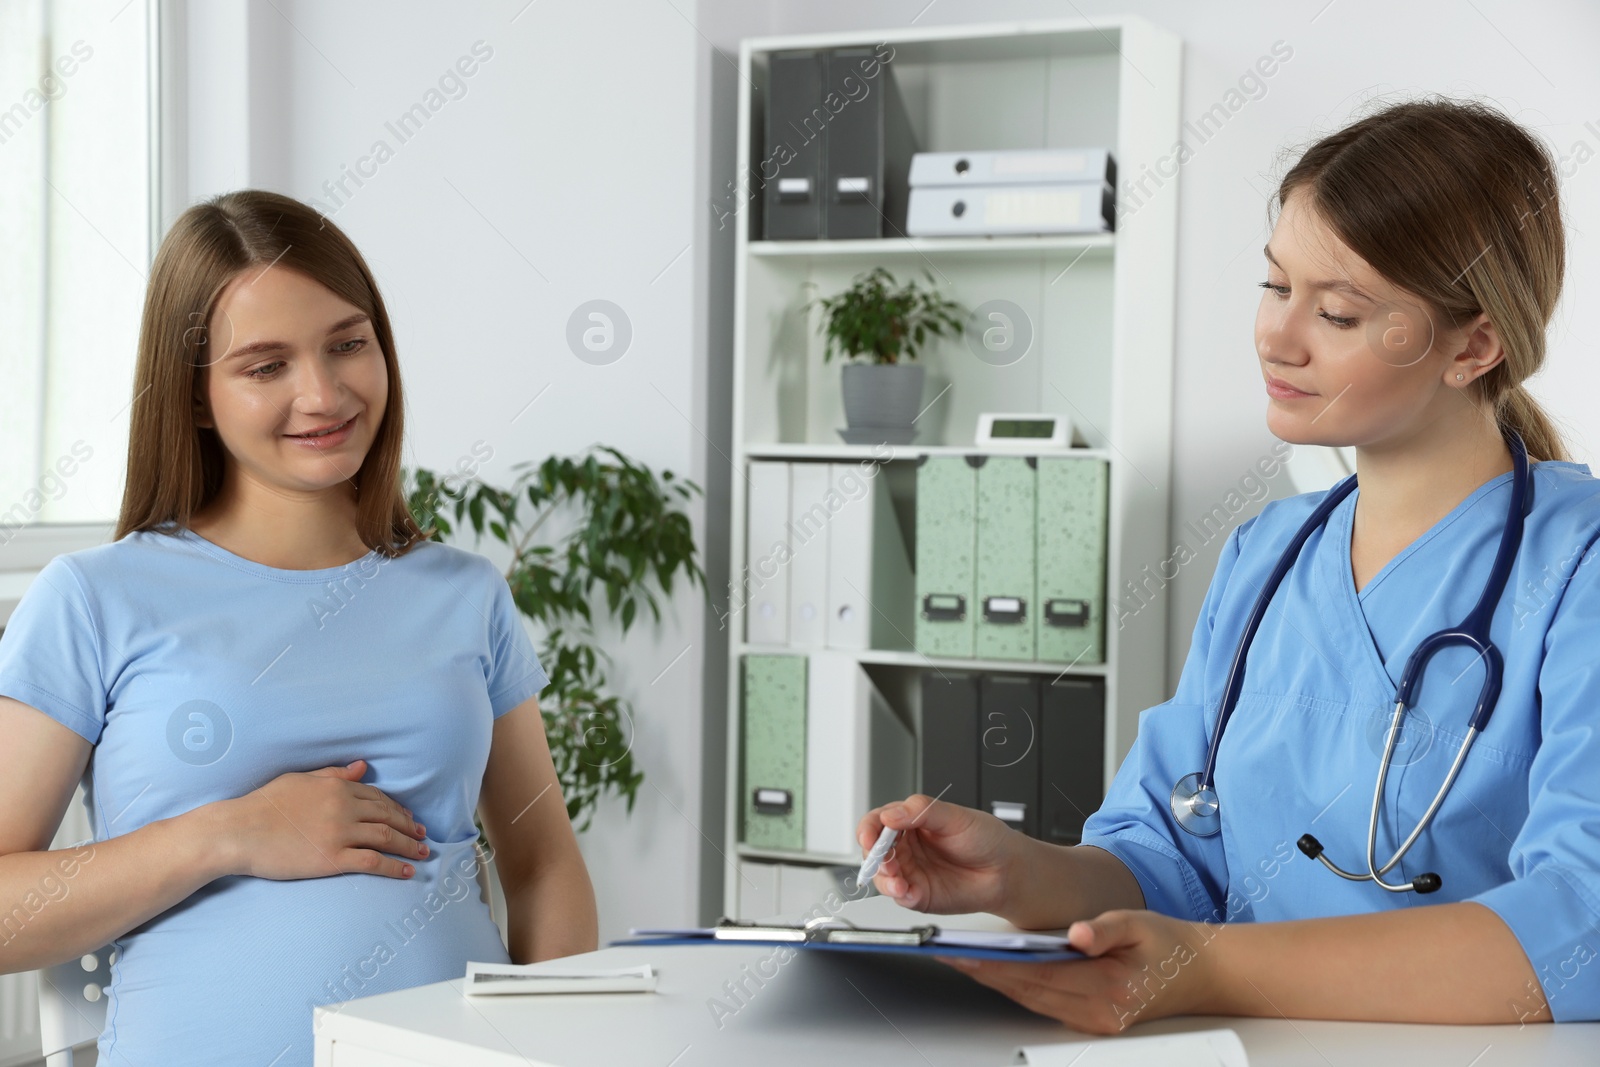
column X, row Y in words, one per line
column 846, row 453
column 898, row 248
column 1101, row 308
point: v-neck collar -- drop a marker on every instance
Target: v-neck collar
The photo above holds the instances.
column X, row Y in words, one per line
column 1349, row 525
column 1344, row 578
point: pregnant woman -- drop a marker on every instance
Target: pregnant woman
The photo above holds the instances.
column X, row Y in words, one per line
column 286, row 703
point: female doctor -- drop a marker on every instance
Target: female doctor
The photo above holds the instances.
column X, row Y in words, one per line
column 1414, row 264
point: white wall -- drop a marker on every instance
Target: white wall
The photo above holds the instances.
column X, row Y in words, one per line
column 561, row 174
column 587, row 150
column 1534, row 57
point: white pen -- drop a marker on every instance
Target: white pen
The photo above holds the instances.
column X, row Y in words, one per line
column 880, row 849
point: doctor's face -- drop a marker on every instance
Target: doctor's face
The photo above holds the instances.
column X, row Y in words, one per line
column 1347, row 358
column 290, row 358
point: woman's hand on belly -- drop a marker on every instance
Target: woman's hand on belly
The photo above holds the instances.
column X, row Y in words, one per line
column 318, row 823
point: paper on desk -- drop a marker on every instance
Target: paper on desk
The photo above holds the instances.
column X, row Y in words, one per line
column 1202, row 1048
column 554, row 977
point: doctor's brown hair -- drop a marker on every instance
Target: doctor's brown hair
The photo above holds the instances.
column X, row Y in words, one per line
column 1457, row 204
column 175, row 466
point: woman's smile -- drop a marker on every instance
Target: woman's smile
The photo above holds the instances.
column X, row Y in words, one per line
column 1279, row 389
column 339, row 434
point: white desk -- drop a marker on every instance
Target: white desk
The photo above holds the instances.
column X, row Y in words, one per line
column 842, row 1009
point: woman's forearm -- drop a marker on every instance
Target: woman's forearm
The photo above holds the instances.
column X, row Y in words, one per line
column 1053, row 886
column 68, row 902
column 552, row 913
column 1444, row 963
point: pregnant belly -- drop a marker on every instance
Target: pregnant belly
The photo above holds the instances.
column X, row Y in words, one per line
column 233, row 973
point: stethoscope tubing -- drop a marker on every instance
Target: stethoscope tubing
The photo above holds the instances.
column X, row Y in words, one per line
column 1201, row 798
column 1235, row 683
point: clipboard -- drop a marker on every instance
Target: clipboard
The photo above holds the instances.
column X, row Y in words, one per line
column 832, row 933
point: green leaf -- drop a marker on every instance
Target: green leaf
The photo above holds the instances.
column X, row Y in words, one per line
column 876, row 319
column 630, row 535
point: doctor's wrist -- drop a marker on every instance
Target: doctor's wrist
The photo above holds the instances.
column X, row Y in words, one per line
column 1049, row 887
column 1033, row 873
column 1012, row 885
column 1222, row 984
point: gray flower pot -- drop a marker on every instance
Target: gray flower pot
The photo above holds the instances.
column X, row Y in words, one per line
column 883, row 397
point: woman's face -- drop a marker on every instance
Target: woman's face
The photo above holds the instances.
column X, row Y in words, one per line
column 288, row 357
column 1348, row 358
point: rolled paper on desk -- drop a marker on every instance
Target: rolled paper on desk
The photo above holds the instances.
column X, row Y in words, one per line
column 553, row 976
column 1203, row 1048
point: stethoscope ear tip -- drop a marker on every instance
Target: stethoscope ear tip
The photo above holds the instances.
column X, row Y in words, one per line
column 1310, row 846
column 1426, row 883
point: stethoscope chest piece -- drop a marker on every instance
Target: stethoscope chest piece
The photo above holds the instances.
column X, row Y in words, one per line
column 1196, row 806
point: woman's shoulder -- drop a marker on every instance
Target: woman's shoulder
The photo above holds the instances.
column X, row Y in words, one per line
column 440, row 558
column 1560, row 485
column 84, row 574
column 1279, row 519
column 1566, row 505
column 140, row 550
column 126, row 555
column 1562, row 490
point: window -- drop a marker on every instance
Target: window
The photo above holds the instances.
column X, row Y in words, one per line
column 77, row 205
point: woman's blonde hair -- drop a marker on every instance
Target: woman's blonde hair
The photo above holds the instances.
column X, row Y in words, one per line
column 1454, row 202
column 175, row 466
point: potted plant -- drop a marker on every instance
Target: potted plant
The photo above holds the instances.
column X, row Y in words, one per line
column 879, row 325
column 627, row 533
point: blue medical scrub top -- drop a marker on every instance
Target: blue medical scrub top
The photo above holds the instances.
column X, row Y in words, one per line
column 200, row 675
column 1519, row 831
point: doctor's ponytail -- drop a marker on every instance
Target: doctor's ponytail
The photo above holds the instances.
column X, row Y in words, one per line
column 1517, row 409
column 1456, row 203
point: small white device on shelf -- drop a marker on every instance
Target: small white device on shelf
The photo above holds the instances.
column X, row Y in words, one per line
column 1031, row 431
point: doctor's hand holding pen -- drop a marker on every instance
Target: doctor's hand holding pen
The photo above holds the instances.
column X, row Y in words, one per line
column 318, row 823
column 945, row 858
column 948, row 859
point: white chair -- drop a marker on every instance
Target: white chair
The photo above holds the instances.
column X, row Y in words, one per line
column 72, row 1005
column 72, row 995
column 492, row 894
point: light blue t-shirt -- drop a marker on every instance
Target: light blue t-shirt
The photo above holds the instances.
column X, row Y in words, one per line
column 199, row 676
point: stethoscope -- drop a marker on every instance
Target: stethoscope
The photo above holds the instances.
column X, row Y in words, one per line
column 1195, row 804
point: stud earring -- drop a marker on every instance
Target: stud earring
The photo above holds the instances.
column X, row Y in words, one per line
column 1461, row 377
